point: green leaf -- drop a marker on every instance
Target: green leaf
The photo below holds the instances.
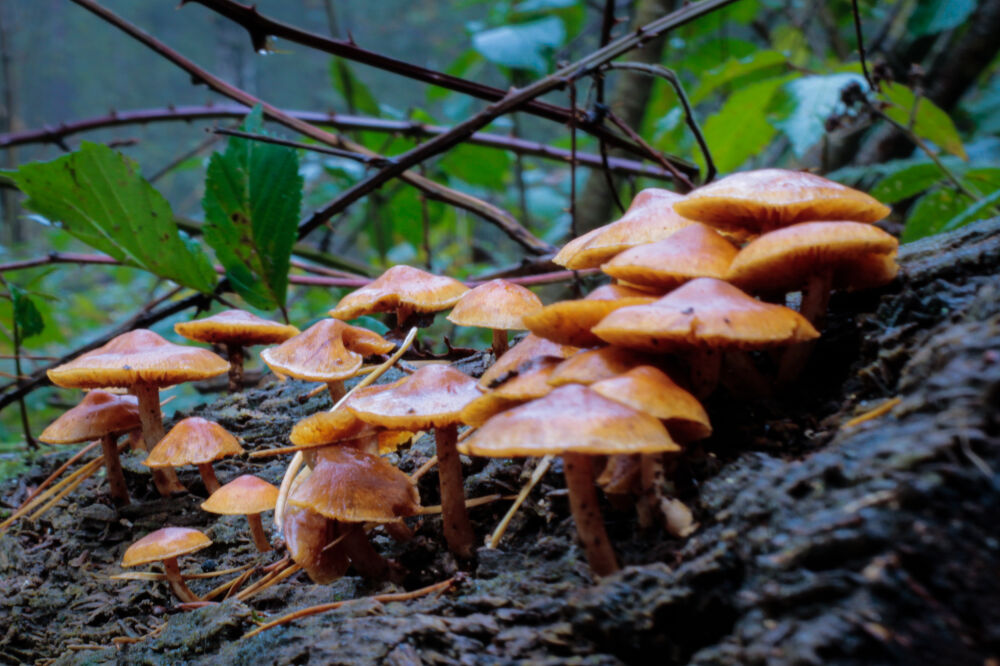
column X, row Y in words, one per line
column 907, row 182
column 922, row 116
column 934, row 16
column 741, row 129
column 736, row 69
column 477, row 165
column 521, row 45
column 977, row 211
column 814, row 99
column 352, row 90
column 932, row 211
column 253, row 192
column 26, row 315
column 100, row 197
column 986, row 180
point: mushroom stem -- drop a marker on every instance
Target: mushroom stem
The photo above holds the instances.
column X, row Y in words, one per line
column 235, row 354
column 176, row 582
column 208, row 477
column 815, row 299
column 148, row 395
column 398, row 531
column 586, row 514
column 651, row 477
column 705, row 366
column 257, row 531
column 337, row 390
column 116, row 479
column 499, row 342
column 457, row 528
column 364, row 558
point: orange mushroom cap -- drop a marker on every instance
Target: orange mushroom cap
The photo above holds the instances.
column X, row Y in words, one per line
column 621, row 474
column 193, row 441
column 98, row 414
column 694, row 251
column 766, row 199
column 164, row 544
column 431, row 397
column 530, row 383
column 245, row 494
column 354, row 486
column 859, row 255
column 497, row 304
column 342, row 426
column 139, row 356
column 592, row 365
column 327, row 351
column 530, row 347
column 650, row 390
column 569, row 322
column 236, row 327
column 401, row 285
column 569, row 419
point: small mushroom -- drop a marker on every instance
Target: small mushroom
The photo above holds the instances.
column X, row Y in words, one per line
column 592, row 365
column 528, row 384
column 249, row 496
column 166, row 545
column 569, row 322
column 529, row 348
column 195, row 441
column 498, row 305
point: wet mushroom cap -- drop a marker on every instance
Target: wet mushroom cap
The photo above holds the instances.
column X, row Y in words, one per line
column 193, row 441
column 859, row 255
column 98, row 414
column 705, row 313
column 497, row 304
column 342, row 426
column 354, row 486
column 243, row 495
column 650, row 390
column 431, row 397
column 401, row 285
column 569, row 322
column 163, row 544
column 530, row 383
column 139, row 356
column 694, row 251
column 307, row 535
column 530, row 347
column 766, row 199
column 327, row 351
column 592, row 365
column 569, row 419
column 236, row 327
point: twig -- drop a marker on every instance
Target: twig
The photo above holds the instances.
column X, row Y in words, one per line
column 684, row 185
column 469, row 503
column 572, row 162
column 671, row 77
column 861, row 45
column 874, row 413
column 423, row 469
column 276, row 577
column 536, row 476
column 337, row 152
column 381, row 598
column 62, row 468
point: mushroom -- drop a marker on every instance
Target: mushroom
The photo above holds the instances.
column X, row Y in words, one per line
column 765, row 199
column 143, row 362
column 432, row 397
column 576, row 423
column 194, row 441
column 404, row 290
column 308, row 537
column 166, row 545
column 528, row 384
column 343, row 428
column 99, row 415
column 235, row 329
column 530, row 347
column 329, row 351
column 249, row 496
column 592, row 365
column 498, row 305
column 569, row 322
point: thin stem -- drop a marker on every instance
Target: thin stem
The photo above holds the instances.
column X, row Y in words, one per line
column 337, row 152
column 572, row 164
column 684, row 184
column 587, row 513
column 454, row 516
column 29, row 440
column 499, row 342
column 116, row 478
column 208, row 477
column 176, row 581
column 861, row 45
column 257, row 532
column 165, row 478
column 234, row 354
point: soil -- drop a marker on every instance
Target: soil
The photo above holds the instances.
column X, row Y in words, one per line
column 818, row 542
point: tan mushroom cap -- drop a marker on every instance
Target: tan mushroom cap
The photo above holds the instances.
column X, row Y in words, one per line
column 705, row 313
column 592, row 365
column 164, row 544
column 766, row 199
column 98, row 414
column 651, row 217
column 307, row 535
column 193, row 441
column 236, row 327
column 139, row 356
column 342, row 426
column 569, row 322
column 859, row 255
column 569, row 419
column 620, row 475
column 650, row 390
column 693, row 252
column 530, row 383
column 530, row 347
column 497, row 304
column 327, row 351
column 354, row 486
column 243, row 495
column 431, row 397
column 401, row 285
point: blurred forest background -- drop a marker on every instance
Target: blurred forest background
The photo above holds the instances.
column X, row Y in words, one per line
column 771, row 83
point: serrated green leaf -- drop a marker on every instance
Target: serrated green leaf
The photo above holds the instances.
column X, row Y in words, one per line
column 26, row 315
column 521, row 45
column 814, row 99
column 737, row 69
column 253, row 193
column 477, row 165
column 356, row 95
column 99, row 196
column 932, row 211
column 927, row 120
column 907, row 182
column 934, row 16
